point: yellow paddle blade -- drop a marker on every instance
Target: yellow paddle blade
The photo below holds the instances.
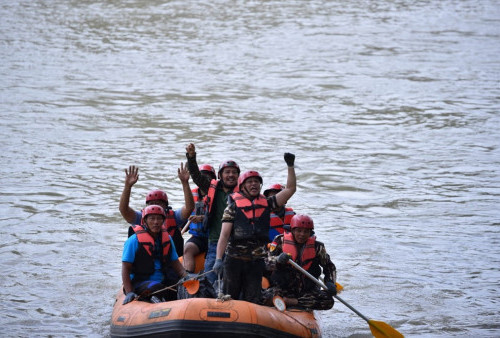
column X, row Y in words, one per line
column 192, row 286
column 339, row 287
column 383, row 330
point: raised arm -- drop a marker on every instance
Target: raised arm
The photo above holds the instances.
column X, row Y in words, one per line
column 188, row 206
column 291, row 183
column 200, row 180
column 131, row 177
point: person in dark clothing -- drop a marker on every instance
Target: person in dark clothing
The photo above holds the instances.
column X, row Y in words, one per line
column 217, row 194
column 245, row 233
column 301, row 246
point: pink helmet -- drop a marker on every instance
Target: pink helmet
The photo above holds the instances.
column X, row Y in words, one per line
column 246, row 175
column 226, row 164
column 302, row 221
column 154, row 195
column 276, row 187
column 209, row 169
column 152, row 210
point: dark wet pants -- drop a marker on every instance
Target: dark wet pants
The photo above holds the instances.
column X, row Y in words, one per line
column 243, row 279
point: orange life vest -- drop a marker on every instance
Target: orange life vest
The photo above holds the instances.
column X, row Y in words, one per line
column 196, row 194
column 210, row 197
column 143, row 265
column 307, row 253
column 277, row 223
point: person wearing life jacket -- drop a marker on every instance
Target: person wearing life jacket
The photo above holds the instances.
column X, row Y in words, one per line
column 245, row 234
column 218, row 191
column 301, row 246
column 149, row 258
column 281, row 216
column 198, row 243
column 174, row 219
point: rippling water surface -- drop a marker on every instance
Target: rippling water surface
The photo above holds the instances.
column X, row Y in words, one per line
column 391, row 108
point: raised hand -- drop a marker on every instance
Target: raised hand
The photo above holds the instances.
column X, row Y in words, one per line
column 191, row 150
column 183, row 173
column 289, row 159
column 131, row 175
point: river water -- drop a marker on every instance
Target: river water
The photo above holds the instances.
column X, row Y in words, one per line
column 391, row 107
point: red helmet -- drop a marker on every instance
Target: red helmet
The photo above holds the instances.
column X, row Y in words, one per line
column 153, row 210
column 209, row 169
column 276, row 187
column 302, row 221
column 154, row 195
column 226, row 164
column 246, row 175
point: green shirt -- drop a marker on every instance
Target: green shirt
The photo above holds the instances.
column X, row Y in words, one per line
column 215, row 221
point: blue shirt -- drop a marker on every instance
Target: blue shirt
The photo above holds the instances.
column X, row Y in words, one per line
column 130, row 249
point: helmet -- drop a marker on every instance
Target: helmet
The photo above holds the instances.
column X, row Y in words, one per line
column 226, row 164
column 208, row 168
column 246, row 175
column 302, row 221
column 153, row 210
column 154, row 195
column 276, row 186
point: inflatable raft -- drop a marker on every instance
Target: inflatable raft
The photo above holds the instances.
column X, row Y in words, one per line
column 207, row 317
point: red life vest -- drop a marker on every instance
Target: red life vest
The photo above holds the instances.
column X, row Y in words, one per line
column 252, row 217
column 210, row 197
column 143, row 265
column 277, row 223
column 196, row 194
column 170, row 224
column 145, row 239
column 308, row 251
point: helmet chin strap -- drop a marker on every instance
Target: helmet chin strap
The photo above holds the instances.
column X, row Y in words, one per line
column 244, row 191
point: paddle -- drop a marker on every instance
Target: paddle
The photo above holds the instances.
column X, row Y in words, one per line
column 186, row 227
column 192, row 284
column 337, row 285
column 379, row 329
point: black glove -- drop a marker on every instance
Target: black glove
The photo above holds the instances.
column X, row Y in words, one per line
column 129, row 297
column 289, row 159
column 218, row 266
column 283, row 258
column 332, row 289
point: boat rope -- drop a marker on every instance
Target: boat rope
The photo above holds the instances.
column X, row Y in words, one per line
column 221, row 297
column 295, row 319
column 173, row 287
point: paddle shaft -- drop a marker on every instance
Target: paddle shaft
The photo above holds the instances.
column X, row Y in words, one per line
column 186, row 227
column 311, row 277
column 180, row 282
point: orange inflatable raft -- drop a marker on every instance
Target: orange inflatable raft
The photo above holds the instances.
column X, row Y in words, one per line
column 207, row 317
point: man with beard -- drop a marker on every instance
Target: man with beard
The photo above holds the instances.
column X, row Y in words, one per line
column 217, row 194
